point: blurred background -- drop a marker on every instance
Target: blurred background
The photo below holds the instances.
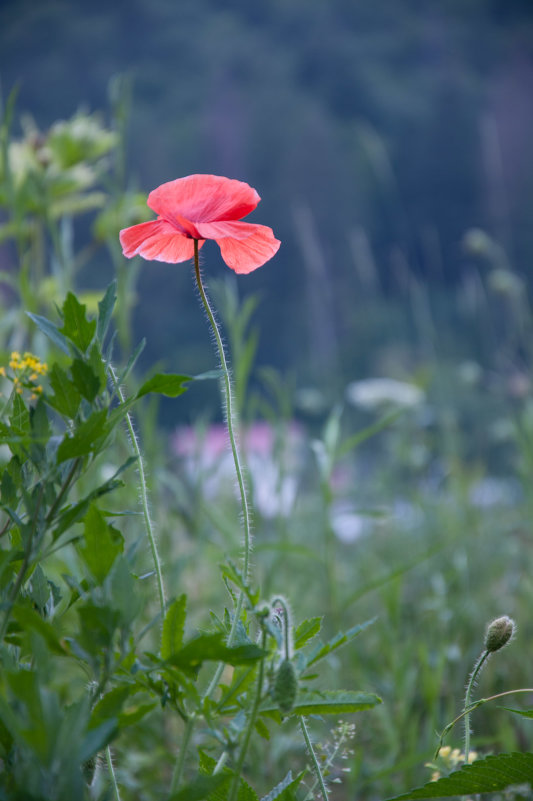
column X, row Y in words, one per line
column 391, row 143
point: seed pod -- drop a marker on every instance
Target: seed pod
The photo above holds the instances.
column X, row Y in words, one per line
column 285, row 686
column 499, row 632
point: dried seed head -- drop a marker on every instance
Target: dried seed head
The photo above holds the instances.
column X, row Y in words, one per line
column 499, row 632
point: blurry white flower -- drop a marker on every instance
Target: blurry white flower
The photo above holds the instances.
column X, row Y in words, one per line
column 373, row 393
column 347, row 524
column 490, row 491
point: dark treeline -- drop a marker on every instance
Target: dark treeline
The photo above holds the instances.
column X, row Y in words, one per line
column 378, row 133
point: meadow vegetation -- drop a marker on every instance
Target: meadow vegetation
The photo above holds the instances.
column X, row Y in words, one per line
column 391, row 523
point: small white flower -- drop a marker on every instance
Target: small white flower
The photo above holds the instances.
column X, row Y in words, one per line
column 375, row 392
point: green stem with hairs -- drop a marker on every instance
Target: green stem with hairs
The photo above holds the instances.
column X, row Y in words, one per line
column 251, row 723
column 230, row 416
column 111, row 769
column 471, row 683
column 144, row 495
column 314, row 760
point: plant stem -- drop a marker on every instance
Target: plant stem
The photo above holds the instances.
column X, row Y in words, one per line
column 144, row 494
column 230, row 418
column 316, row 766
column 230, row 413
column 249, row 729
column 471, row 707
column 111, row 769
column 180, row 762
column 471, row 683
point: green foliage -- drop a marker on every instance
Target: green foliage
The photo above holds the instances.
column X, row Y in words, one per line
column 483, row 776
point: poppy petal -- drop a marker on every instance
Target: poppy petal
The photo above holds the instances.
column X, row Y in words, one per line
column 244, row 246
column 203, row 198
column 157, row 240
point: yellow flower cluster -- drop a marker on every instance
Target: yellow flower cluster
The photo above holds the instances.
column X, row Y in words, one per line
column 27, row 371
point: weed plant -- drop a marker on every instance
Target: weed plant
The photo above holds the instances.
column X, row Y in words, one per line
column 142, row 657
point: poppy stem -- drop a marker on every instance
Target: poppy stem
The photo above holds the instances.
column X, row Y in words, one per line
column 230, row 414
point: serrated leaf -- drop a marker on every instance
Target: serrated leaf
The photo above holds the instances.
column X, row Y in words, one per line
column 105, row 311
column 262, row 729
column 85, row 438
column 286, row 789
column 173, row 626
column 329, row 702
column 29, row 619
column 66, row 398
column 85, row 380
column 306, row 631
column 340, row 639
column 211, row 647
column 75, row 324
column 169, row 384
column 487, row 775
column 110, row 705
column 200, row 788
column 102, row 544
column 51, row 330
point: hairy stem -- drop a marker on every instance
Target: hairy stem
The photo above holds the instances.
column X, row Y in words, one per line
column 144, row 495
column 471, row 684
column 314, row 760
column 111, row 769
column 230, row 413
column 249, row 728
column 230, row 418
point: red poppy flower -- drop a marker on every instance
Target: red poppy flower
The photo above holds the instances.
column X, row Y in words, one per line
column 202, row 207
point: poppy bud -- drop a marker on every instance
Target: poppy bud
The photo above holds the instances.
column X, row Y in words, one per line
column 285, row 686
column 499, row 632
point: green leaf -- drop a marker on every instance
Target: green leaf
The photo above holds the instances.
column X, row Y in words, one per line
column 20, row 417
column 86, row 437
column 526, row 713
column 39, row 588
column 105, row 311
column 210, row 647
column 173, row 625
column 286, row 789
column 29, row 619
column 487, row 775
column 200, row 788
column 51, row 330
column 110, row 705
column 75, row 324
column 103, row 543
column 97, row 739
column 85, row 380
column 330, row 702
column 306, row 631
column 169, row 384
column 321, row 650
column 66, row 398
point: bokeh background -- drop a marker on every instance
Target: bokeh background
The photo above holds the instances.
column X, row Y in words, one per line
column 391, row 142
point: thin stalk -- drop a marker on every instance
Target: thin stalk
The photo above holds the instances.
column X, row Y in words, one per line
column 230, row 413
column 249, row 728
column 471, row 684
column 316, row 766
column 471, row 707
column 180, row 762
column 230, row 417
column 144, row 494
column 111, row 769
